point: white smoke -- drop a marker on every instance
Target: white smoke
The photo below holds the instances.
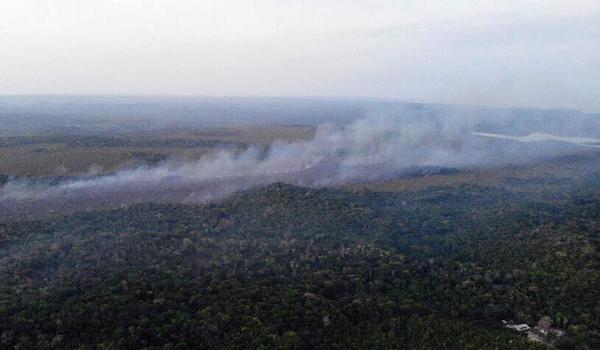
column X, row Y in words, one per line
column 367, row 149
column 383, row 142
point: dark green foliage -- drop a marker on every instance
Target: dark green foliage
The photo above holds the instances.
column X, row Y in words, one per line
column 293, row 268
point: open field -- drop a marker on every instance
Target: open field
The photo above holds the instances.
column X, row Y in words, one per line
column 68, row 155
column 574, row 166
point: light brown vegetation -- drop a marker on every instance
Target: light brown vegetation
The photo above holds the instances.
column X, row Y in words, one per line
column 570, row 166
column 58, row 159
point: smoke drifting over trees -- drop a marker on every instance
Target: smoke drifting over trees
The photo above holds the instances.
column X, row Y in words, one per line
column 380, row 146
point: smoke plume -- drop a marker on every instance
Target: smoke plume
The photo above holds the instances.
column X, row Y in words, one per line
column 364, row 150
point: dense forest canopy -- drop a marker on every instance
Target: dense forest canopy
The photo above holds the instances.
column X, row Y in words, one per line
column 290, row 267
column 412, row 230
column 306, row 175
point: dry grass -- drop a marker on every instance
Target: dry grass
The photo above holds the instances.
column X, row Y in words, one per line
column 254, row 135
column 573, row 166
column 58, row 159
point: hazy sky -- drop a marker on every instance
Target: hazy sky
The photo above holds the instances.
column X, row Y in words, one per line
column 543, row 53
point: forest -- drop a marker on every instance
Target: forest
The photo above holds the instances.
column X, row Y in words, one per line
column 288, row 267
column 299, row 175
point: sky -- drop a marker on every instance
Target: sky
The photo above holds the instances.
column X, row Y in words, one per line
column 530, row 53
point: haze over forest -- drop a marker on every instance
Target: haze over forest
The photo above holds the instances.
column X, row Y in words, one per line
column 299, row 174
